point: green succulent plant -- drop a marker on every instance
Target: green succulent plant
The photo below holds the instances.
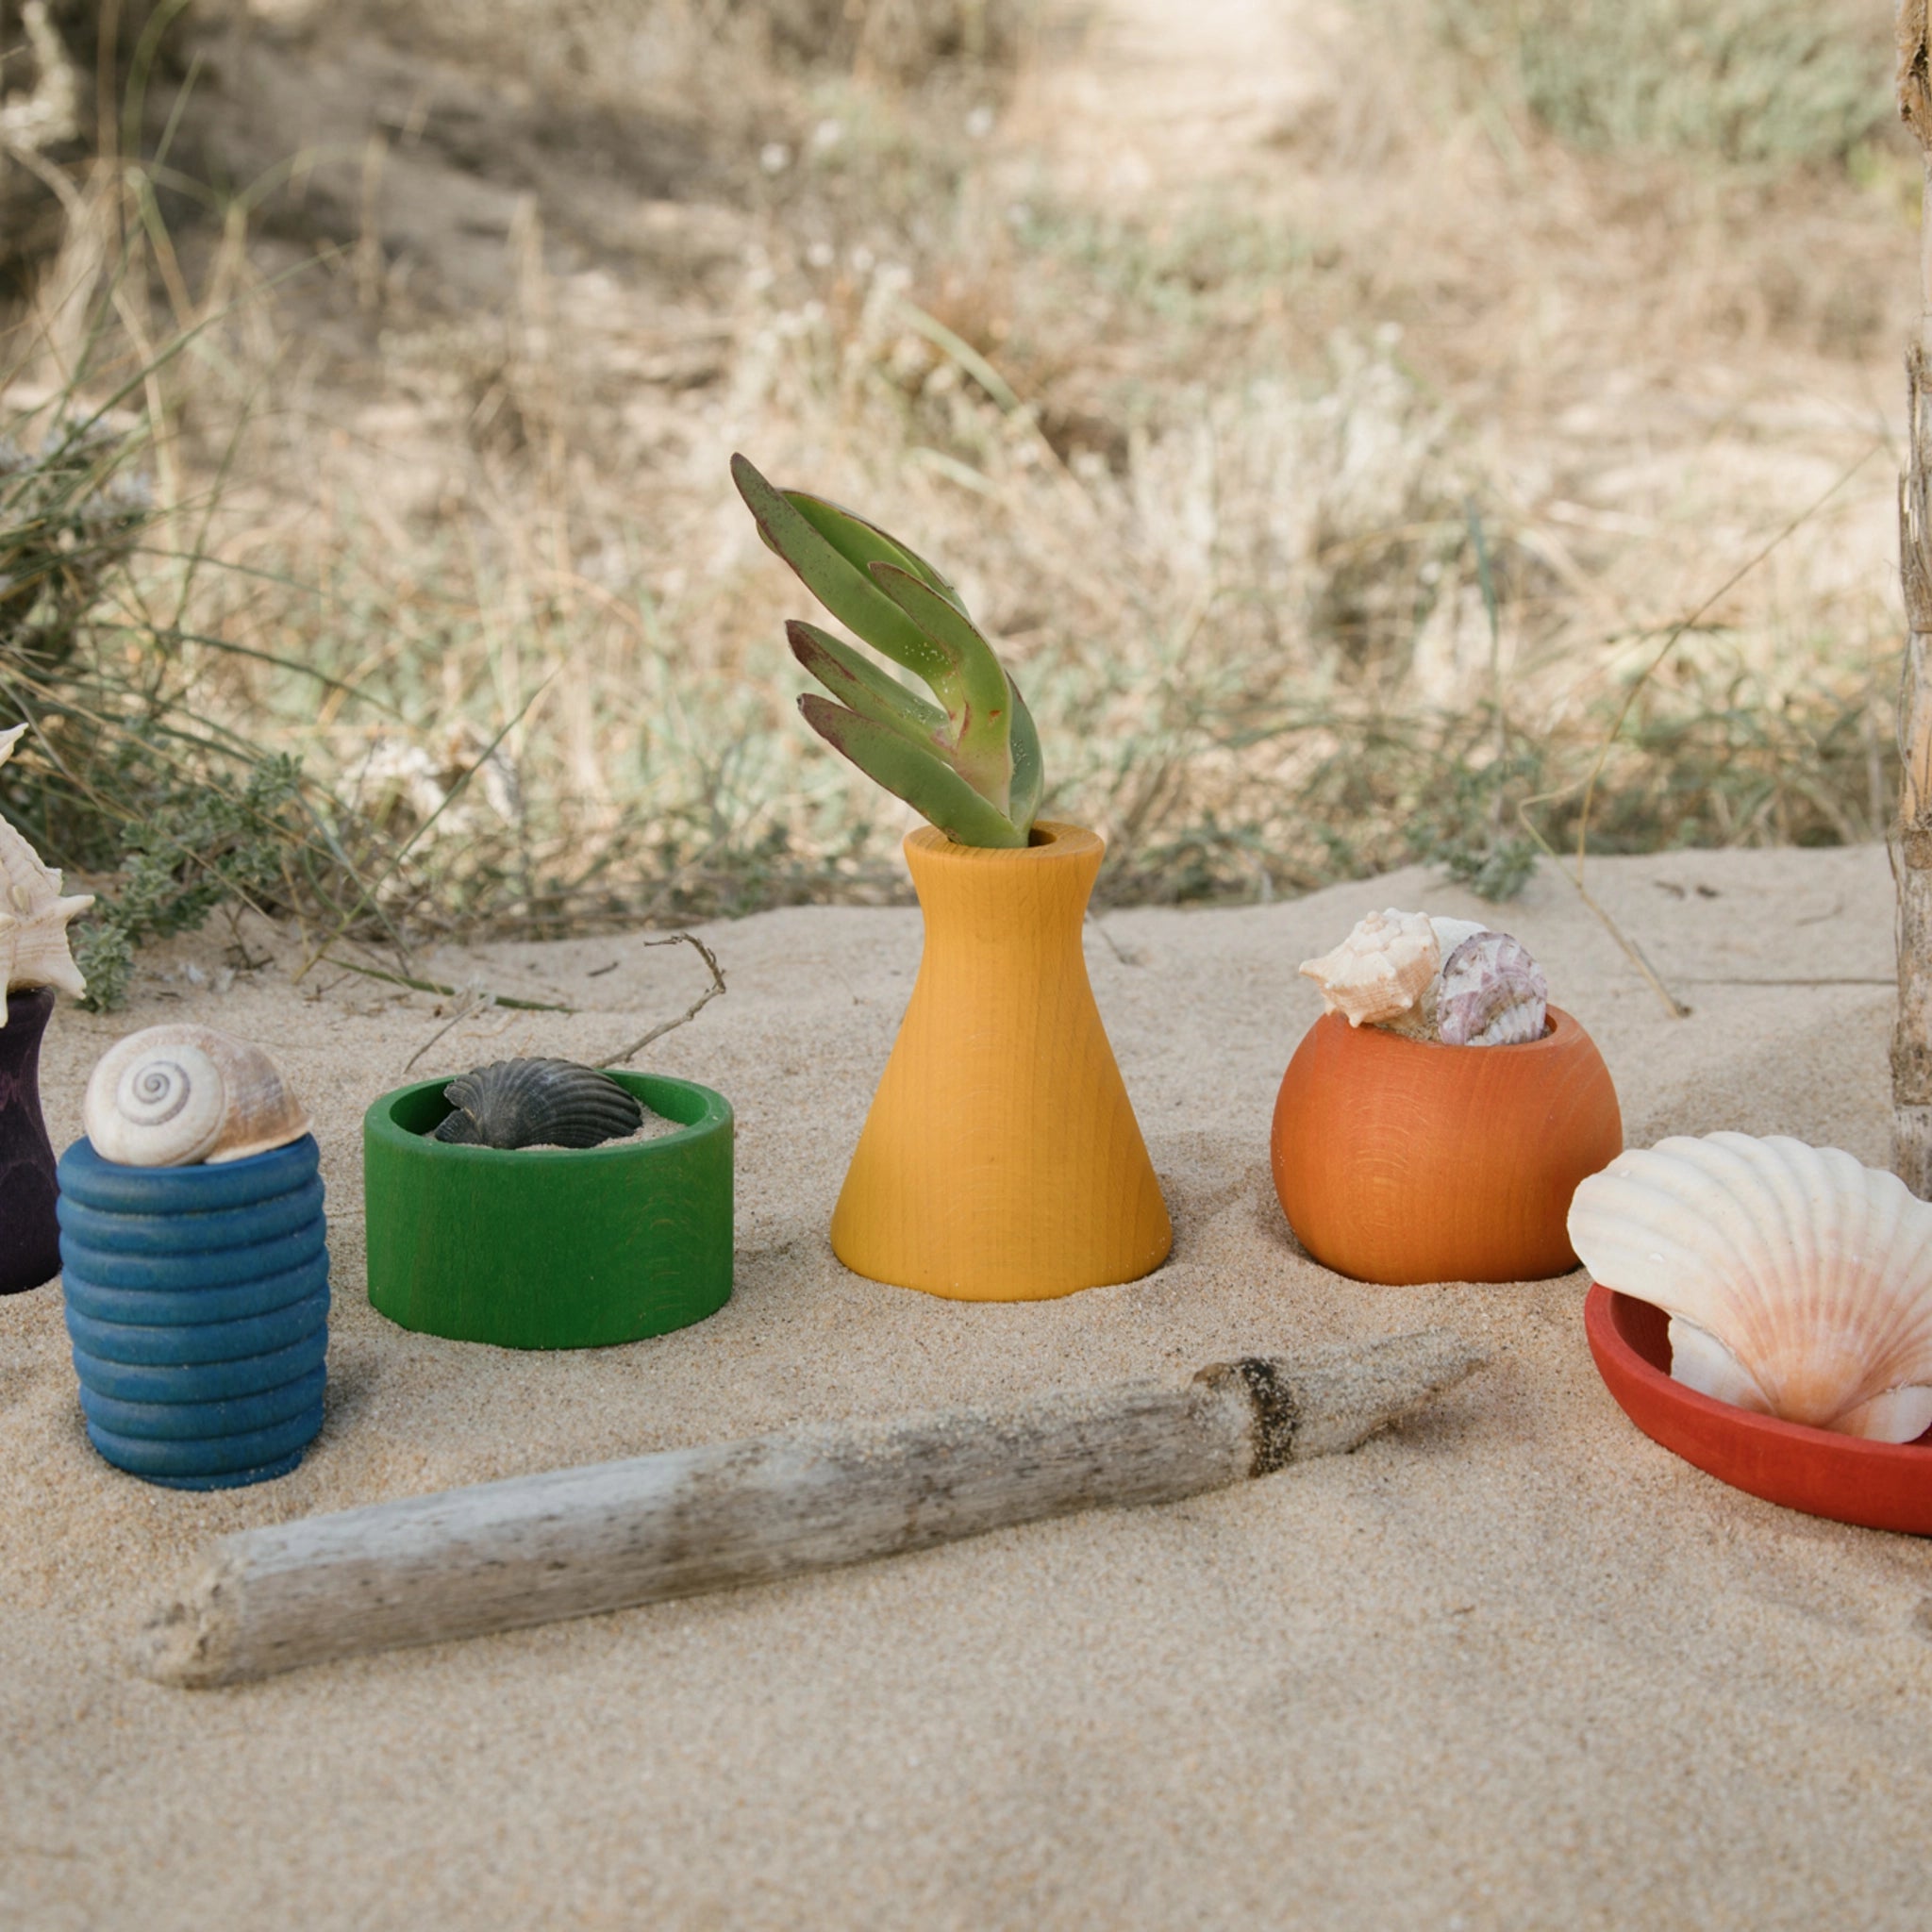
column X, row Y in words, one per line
column 970, row 762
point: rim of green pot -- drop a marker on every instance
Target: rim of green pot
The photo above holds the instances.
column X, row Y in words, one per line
column 422, row 1099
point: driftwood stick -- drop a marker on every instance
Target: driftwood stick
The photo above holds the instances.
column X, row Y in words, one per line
column 1911, row 841
column 575, row 1541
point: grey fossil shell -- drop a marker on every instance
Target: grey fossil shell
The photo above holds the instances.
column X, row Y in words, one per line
column 1491, row 994
column 537, row 1103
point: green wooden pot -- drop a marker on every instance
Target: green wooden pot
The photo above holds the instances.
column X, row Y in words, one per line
column 548, row 1247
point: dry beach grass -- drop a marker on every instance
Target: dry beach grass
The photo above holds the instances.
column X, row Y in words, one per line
column 1242, row 362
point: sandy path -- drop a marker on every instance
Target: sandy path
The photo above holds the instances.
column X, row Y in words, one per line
column 1178, row 96
column 1511, row 1666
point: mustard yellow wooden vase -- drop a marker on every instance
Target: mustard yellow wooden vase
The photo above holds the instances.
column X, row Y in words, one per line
column 1000, row 1160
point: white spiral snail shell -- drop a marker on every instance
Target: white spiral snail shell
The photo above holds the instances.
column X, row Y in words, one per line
column 174, row 1095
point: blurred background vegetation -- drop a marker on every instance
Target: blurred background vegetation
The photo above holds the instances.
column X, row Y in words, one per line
column 1334, row 410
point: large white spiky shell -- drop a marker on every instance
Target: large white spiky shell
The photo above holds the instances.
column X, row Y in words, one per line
column 1798, row 1281
column 33, row 914
column 1381, row 970
column 172, row 1096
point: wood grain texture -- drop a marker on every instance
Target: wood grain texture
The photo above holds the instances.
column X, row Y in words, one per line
column 1912, row 1041
column 1000, row 1160
column 576, row 1541
column 544, row 1247
column 1402, row 1160
column 1912, row 844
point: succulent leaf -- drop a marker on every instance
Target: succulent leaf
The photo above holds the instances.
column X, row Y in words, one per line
column 1029, row 770
column 924, row 779
column 862, row 687
column 843, row 587
column 972, row 763
column 862, row 544
column 982, row 715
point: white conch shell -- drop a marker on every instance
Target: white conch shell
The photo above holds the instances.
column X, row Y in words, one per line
column 1381, row 969
column 33, row 915
column 170, row 1096
column 1798, row 1282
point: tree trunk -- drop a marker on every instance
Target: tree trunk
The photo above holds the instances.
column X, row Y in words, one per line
column 1912, row 1041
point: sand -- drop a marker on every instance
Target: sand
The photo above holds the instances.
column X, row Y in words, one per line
column 1512, row 1665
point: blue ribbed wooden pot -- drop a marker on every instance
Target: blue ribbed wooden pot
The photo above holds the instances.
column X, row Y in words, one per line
column 197, row 1303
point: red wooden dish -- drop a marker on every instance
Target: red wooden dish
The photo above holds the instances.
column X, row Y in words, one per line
column 1876, row 1484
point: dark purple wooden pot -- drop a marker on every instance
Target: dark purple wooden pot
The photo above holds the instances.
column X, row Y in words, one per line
column 29, row 1234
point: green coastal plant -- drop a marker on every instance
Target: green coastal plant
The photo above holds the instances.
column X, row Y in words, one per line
column 969, row 763
column 200, row 846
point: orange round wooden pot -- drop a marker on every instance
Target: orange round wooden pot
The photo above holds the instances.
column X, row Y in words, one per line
column 1404, row 1160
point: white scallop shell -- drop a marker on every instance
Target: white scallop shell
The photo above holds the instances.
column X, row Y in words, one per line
column 1798, row 1282
column 1381, row 970
column 170, row 1096
column 33, row 914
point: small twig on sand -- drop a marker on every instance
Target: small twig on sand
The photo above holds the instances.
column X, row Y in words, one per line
column 1122, row 954
column 1673, row 1004
column 449, row 992
column 690, row 1013
column 469, row 1005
